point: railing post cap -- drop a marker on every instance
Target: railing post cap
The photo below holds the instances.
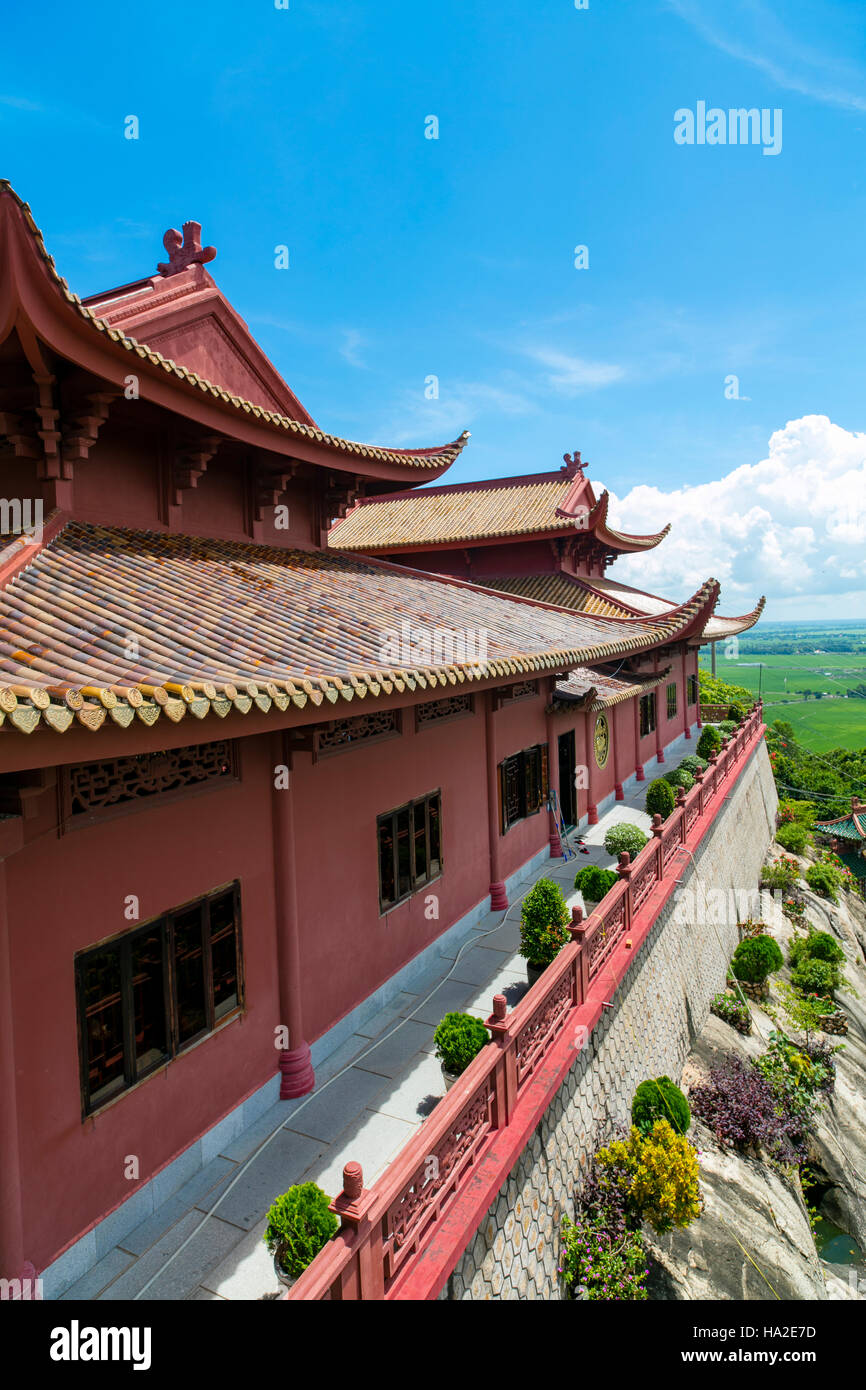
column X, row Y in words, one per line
column 500, row 1006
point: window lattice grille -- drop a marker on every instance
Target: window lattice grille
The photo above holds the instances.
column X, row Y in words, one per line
column 435, row 710
column 93, row 787
column 345, row 733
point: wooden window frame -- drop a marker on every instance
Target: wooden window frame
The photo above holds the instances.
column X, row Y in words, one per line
column 530, row 765
column 692, row 686
column 123, row 944
column 416, row 881
column 672, row 700
column 648, row 708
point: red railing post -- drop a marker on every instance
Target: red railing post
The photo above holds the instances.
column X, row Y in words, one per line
column 681, row 808
column 625, row 871
column 353, row 1208
column 699, row 781
column 581, row 968
column 505, row 1075
column 658, row 830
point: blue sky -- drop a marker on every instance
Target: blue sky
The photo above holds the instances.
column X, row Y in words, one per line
column 454, row 257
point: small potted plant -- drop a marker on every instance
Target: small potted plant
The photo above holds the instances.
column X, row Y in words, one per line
column 299, row 1225
column 593, row 883
column 755, row 958
column 458, row 1038
column 543, row 927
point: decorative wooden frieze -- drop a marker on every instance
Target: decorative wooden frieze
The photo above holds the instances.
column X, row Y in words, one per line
column 363, row 728
column 434, row 711
column 90, row 789
column 521, row 690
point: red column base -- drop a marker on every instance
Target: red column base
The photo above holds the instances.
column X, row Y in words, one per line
column 619, row 793
column 660, row 757
column 498, row 897
column 640, row 775
column 592, row 815
column 297, row 1076
column 688, row 733
column 556, row 847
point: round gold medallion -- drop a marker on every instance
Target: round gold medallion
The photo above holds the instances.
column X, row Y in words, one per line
column 602, row 740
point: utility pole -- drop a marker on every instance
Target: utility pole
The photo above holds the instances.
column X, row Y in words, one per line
column 713, row 657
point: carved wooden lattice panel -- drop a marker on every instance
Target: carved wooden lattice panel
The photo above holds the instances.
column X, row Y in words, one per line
column 436, row 1180
column 643, row 883
column 605, row 939
column 94, row 787
column 345, row 733
column 536, row 1037
column 692, row 813
column 670, row 843
column 521, row 691
column 434, row 710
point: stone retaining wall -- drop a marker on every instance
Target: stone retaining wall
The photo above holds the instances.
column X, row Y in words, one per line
column 660, row 1006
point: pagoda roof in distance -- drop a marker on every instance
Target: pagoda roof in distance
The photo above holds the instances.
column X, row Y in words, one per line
column 850, row 827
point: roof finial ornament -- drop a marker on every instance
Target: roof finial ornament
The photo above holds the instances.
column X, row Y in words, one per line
column 573, row 465
column 184, row 250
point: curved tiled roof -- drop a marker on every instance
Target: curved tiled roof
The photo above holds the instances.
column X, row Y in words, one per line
column 109, row 623
column 597, row 690
column 465, row 512
column 437, row 457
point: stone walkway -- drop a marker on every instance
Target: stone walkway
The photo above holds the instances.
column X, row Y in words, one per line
column 371, row 1095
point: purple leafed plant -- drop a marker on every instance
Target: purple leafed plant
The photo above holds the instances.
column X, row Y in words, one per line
column 741, row 1110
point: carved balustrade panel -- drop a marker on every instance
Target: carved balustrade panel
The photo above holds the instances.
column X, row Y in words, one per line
column 643, row 882
column 605, row 938
column 536, row 1037
column 437, row 1178
column 670, row 840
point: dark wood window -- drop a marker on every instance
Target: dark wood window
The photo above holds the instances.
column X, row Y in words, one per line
column 672, row 699
column 522, row 785
column 692, row 690
column 647, row 714
column 410, row 848
column 150, row 993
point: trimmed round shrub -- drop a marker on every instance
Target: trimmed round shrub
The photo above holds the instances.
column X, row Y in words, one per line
column 755, row 958
column 824, row 880
column 728, row 726
column 816, row 976
column 594, row 882
column 709, row 742
column 793, row 837
column 693, row 764
column 625, row 836
column 543, row 923
column 660, row 1100
column 680, row 777
column 299, row 1226
column 660, row 798
column 817, row 945
column 459, row 1038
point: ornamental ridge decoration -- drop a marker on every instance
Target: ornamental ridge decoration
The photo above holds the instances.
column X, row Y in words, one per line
column 95, row 787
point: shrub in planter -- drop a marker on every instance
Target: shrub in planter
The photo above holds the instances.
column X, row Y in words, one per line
column 658, row 1173
column 660, row 1100
column 459, row 1038
column 594, row 882
column 660, row 798
column 824, row 880
column 709, row 742
column 299, row 1226
column 732, row 1011
column 782, row 873
column 816, row 976
column 816, row 945
column 680, row 777
column 693, row 764
column 625, row 836
column 793, row 837
column 755, row 958
column 598, row 1266
column 543, row 923
column 738, row 1105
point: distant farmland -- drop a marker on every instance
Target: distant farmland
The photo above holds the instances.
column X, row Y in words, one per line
column 784, row 678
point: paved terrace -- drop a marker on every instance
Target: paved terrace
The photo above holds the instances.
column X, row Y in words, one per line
column 371, row 1095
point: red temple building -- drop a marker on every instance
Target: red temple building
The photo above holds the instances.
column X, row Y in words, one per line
column 214, row 669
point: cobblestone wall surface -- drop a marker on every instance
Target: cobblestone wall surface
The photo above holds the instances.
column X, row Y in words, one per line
column 660, row 1007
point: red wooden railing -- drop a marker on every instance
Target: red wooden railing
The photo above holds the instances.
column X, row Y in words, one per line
column 384, row 1229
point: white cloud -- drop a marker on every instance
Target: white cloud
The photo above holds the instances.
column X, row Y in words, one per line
column 792, row 526
column 570, row 376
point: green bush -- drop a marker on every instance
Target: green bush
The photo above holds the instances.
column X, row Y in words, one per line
column 594, row 882
column 693, row 764
column 816, row 945
column 658, row 1174
column 543, row 923
column 793, row 837
column 782, row 873
column 459, row 1038
column 299, row 1226
column 824, row 880
column 680, row 777
column 732, row 1010
column 709, row 742
column 728, row 726
column 804, row 812
column 755, row 958
column 816, row 976
column 660, row 799
column 625, row 836
column 660, row 1100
